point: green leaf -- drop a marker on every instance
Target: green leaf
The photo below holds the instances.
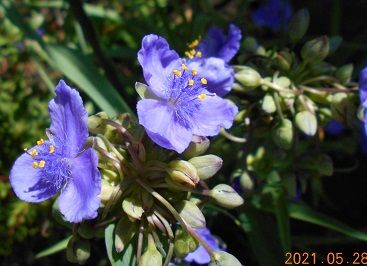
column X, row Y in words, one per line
column 304, row 213
column 54, row 248
column 82, row 71
column 126, row 257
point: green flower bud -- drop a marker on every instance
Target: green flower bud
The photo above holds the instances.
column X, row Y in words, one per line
column 246, row 182
column 307, row 123
column 250, row 44
column 339, row 106
column 96, row 123
column 335, row 42
column 284, row 60
column 191, row 214
column 151, row 256
column 197, row 146
column 106, row 192
column 248, row 77
column 268, row 104
column 78, row 250
column 85, row 230
column 132, row 206
column 344, row 73
column 322, row 68
column 223, row 258
column 282, row 134
column 298, row 25
column 182, row 173
column 207, row 165
column 324, row 115
column 226, row 196
column 184, row 244
column 124, row 232
column 315, row 50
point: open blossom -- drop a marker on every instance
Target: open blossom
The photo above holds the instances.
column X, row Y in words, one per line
column 61, row 164
column 274, row 14
column 182, row 105
column 210, row 56
column 200, row 255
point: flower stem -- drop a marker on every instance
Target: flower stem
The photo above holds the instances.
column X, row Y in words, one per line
column 229, row 136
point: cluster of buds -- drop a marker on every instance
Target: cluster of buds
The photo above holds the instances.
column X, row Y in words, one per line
column 150, row 195
column 289, row 96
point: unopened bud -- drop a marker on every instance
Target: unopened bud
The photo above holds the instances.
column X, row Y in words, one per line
column 191, row 214
column 306, row 122
column 268, row 104
column 96, row 124
column 226, row 196
column 184, row 243
column 344, row 73
column 207, row 165
column 250, row 44
column 197, row 146
column 132, row 206
column 106, row 192
column 124, row 232
column 223, row 258
column 284, row 60
column 282, row 134
column 246, row 182
column 298, row 25
column 339, row 106
column 151, row 256
column 315, row 50
column 248, row 77
column 182, row 173
column 78, row 250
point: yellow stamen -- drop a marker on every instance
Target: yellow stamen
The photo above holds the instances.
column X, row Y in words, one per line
column 204, row 81
column 189, row 55
column 177, row 72
column 34, row 153
column 202, row 96
column 40, row 142
column 194, row 72
column 34, row 165
column 52, row 149
column 194, row 43
column 191, row 82
column 192, row 52
column 183, row 66
column 199, row 54
column 42, row 164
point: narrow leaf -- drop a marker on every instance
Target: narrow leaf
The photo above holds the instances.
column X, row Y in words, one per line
column 54, row 248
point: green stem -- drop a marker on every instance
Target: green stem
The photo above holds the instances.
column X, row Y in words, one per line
column 276, row 87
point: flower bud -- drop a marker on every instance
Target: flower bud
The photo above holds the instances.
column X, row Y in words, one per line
column 207, row 165
column 132, row 206
column 282, row 134
column 226, row 196
column 106, row 192
column 182, row 173
column 344, row 73
column 96, row 123
column 246, row 182
column 250, row 44
column 191, row 214
column 184, row 243
column 248, row 77
column 298, row 25
column 151, row 256
column 197, row 146
column 315, row 50
column 223, row 258
column 78, row 250
column 268, row 104
column 339, row 106
column 306, row 122
column 124, row 232
column 284, row 60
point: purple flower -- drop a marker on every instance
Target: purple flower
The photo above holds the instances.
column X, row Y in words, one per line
column 181, row 105
column 200, row 255
column 334, row 127
column 62, row 163
column 363, row 86
column 211, row 55
column 274, row 14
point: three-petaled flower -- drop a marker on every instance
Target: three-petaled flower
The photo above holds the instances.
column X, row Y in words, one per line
column 62, row 163
column 182, row 104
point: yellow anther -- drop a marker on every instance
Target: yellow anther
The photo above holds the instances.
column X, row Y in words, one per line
column 204, row 81
column 177, row 72
column 191, row 82
column 40, row 142
column 199, row 54
column 194, row 43
column 42, row 164
column 189, row 55
column 202, row 96
column 183, row 66
column 52, row 149
column 34, row 153
column 194, row 72
column 34, row 165
column 192, row 52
